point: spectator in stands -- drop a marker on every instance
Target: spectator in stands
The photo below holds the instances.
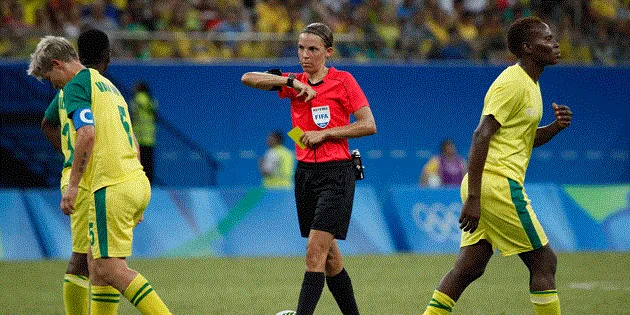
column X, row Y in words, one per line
column 322, row 100
column 571, row 43
column 456, row 48
column 43, row 22
column 603, row 51
column 143, row 116
column 72, row 23
column 446, row 169
column 406, row 10
column 388, row 30
column 106, row 155
column 492, row 48
column 479, row 23
column 438, row 23
column 496, row 212
column 622, row 41
column 467, row 28
column 232, row 23
column 100, row 16
column 369, row 45
column 209, row 14
column 272, row 18
column 416, row 39
column 278, row 164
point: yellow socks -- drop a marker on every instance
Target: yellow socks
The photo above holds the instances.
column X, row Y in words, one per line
column 75, row 294
column 105, row 300
column 441, row 304
column 545, row 302
column 144, row 298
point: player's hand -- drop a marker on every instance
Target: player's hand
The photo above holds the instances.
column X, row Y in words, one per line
column 471, row 212
column 563, row 115
column 67, row 200
column 312, row 139
column 304, row 90
column 141, row 218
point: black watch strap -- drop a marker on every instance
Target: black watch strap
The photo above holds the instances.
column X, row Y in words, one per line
column 290, row 79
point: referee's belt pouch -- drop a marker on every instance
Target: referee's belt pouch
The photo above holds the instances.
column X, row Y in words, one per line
column 357, row 165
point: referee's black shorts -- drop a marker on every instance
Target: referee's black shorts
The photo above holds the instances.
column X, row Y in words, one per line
column 324, row 193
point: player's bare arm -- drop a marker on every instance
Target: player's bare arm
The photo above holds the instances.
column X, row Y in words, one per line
column 563, row 116
column 363, row 126
column 82, row 152
column 471, row 210
column 52, row 133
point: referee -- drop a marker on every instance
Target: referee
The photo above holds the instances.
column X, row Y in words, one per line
column 322, row 100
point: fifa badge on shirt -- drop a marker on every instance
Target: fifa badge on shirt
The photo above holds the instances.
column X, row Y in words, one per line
column 321, row 116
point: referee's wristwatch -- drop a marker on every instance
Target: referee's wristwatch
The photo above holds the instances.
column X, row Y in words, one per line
column 290, row 79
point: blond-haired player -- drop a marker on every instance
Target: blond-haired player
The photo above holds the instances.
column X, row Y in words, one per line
column 105, row 155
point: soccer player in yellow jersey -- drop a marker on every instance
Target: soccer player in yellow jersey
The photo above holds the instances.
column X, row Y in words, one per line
column 497, row 213
column 93, row 46
column 105, row 157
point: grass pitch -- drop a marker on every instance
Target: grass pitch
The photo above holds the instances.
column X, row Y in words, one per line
column 588, row 283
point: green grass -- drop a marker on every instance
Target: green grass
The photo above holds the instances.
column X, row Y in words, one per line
column 588, row 283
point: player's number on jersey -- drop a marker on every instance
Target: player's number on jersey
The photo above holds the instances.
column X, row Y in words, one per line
column 66, row 133
column 125, row 123
column 91, row 228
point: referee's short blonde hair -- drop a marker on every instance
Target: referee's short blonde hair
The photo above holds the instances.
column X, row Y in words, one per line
column 49, row 48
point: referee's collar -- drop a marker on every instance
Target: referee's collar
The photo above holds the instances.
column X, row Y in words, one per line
column 322, row 80
column 315, row 84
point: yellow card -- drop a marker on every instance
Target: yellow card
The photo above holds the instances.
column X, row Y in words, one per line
column 295, row 134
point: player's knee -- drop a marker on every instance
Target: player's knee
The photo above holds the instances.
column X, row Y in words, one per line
column 469, row 274
column 101, row 270
column 315, row 259
column 550, row 264
column 553, row 262
column 78, row 265
column 476, row 273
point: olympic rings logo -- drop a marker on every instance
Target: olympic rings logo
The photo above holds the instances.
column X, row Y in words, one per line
column 439, row 221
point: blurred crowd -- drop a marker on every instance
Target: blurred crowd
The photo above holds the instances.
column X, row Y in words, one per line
column 596, row 31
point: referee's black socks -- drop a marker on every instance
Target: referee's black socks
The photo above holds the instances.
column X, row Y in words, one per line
column 341, row 288
column 312, row 287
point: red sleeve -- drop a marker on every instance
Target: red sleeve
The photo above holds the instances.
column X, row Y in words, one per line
column 356, row 97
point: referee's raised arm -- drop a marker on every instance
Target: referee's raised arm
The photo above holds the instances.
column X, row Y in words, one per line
column 263, row 80
column 273, row 82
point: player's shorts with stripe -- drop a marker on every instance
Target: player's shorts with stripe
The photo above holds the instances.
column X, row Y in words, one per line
column 324, row 193
column 507, row 221
column 79, row 220
column 117, row 210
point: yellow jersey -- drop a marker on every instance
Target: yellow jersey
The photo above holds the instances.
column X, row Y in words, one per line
column 56, row 114
column 114, row 156
column 281, row 162
column 515, row 101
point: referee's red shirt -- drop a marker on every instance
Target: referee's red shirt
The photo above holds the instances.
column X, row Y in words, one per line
column 338, row 96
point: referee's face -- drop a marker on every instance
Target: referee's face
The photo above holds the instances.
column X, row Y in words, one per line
column 312, row 52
